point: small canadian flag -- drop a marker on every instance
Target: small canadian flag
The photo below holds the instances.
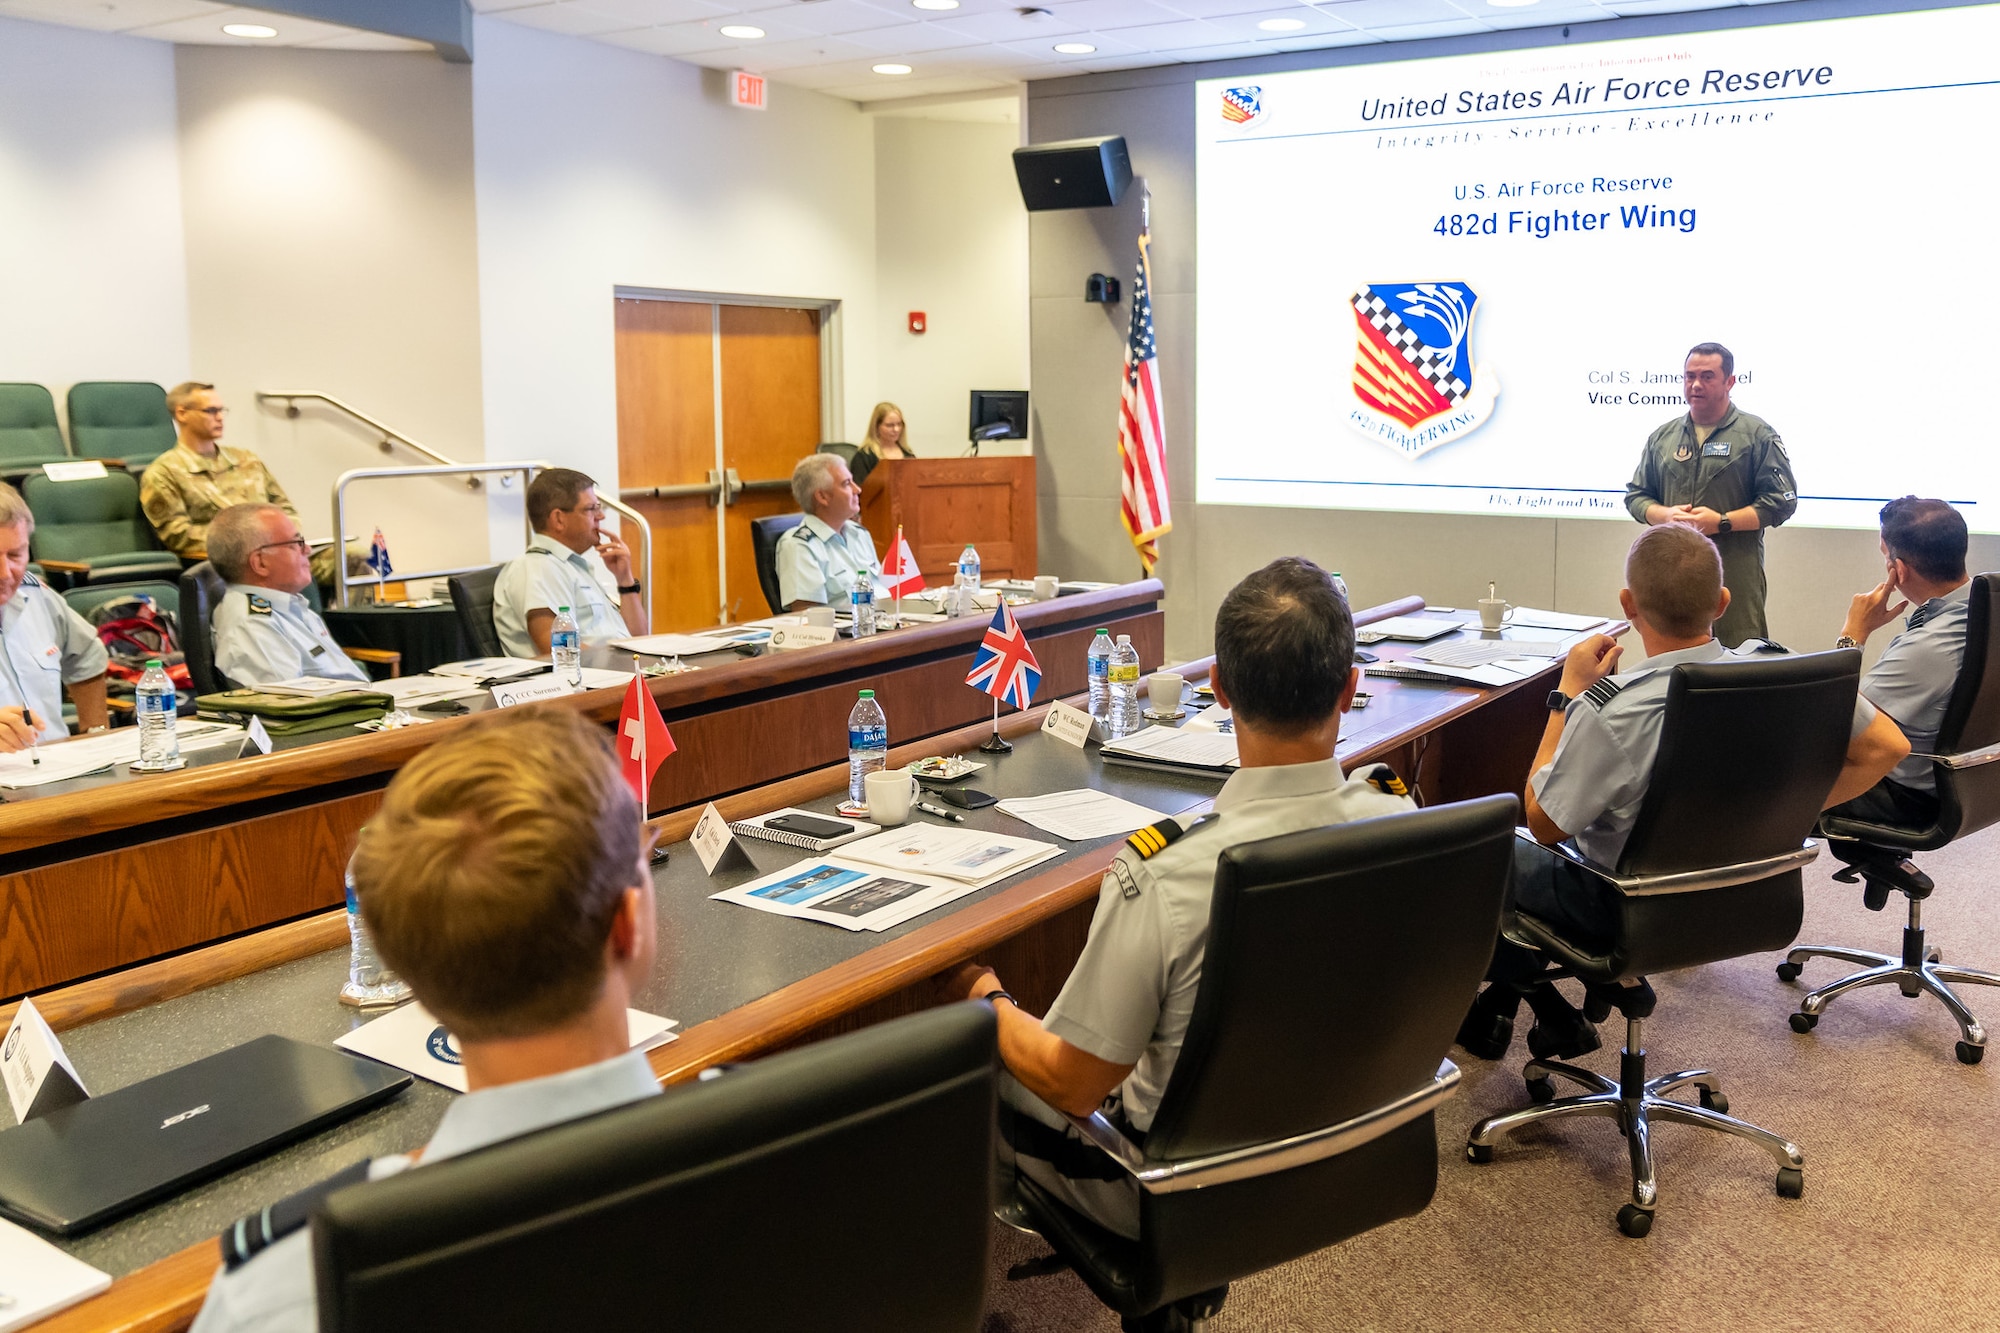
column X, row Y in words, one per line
column 901, row 576
column 643, row 739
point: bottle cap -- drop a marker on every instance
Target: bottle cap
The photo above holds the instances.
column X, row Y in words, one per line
column 868, row 694
column 1105, row 630
column 563, row 609
column 152, row 662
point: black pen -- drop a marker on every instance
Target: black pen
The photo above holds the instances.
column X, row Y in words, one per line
column 34, row 736
column 940, row 812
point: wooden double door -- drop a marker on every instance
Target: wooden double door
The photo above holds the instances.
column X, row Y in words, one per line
column 716, row 403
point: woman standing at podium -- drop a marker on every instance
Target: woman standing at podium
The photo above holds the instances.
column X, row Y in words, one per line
column 885, row 437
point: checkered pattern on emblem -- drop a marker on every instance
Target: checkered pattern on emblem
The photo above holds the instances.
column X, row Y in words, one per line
column 1411, row 347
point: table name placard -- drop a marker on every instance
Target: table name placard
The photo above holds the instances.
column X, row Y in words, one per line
column 526, row 691
column 1071, row 725
column 787, row 637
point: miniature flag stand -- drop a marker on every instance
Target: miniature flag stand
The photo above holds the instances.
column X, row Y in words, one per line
column 1005, row 667
column 643, row 743
column 901, row 575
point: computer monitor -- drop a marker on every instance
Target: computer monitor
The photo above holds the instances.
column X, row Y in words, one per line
column 998, row 407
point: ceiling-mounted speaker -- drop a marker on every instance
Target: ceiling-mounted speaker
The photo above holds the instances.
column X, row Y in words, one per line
column 1076, row 173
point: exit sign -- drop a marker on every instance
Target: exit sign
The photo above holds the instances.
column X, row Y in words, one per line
column 747, row 89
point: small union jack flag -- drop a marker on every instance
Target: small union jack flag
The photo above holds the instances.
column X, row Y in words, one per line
column 1005, row 667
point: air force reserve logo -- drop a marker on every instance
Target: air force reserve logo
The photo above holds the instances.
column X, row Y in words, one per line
column 1415, row 386
column 1243, row 106
column 442, row 1046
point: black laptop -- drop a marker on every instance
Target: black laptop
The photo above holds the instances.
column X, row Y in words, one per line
column 81, row 1166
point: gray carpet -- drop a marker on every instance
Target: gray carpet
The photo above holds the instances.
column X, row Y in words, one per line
column 1902, row 1148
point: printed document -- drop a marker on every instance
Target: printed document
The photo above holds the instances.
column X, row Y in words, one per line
column 977, row 858
column 847, row 894
column 1177, row 746
column 1077, row 816
column 80, row 755
column 37, row 1279
column 410, row 1038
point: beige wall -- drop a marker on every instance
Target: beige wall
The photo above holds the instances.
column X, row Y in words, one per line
column 951, row 240
column 1570, row 565
column 332, row 245
column 92, row 282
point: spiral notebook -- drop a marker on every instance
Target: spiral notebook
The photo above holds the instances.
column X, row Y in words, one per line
column 758, row 828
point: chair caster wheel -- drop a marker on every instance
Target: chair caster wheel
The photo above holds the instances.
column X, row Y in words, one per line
column 1479, row 1153
column 1541, row 1091
column 1791, row 1183
column 1804, row 1022
column 1789, row 971
column 1934, row 954
column 1968, row 1054
column 1716, row 1101
column 1635, row 1221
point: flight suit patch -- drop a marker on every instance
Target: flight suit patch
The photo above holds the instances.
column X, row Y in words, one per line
column 259, row 606
column 1715, row 449
column 1155, row 838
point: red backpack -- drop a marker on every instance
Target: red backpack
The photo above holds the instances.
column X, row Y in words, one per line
column 134, row 630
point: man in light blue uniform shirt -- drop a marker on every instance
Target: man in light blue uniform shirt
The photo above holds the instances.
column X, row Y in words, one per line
column 1923, row 547
column 265, row 629
column 571, row 562
column 1594, row 766
column 513, row 851
column 45, row 647
column 820, row 560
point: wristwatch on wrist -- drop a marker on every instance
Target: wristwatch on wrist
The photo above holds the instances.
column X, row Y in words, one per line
column 1722, row 524
column 625, row 589
column 993, row 995
column 1845, row 641
column 1559, row 702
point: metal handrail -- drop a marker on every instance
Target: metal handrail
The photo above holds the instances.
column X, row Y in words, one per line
column 642, row 558
column 389, row 433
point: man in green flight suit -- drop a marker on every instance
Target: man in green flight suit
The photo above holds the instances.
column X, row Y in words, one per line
column 1725, row 473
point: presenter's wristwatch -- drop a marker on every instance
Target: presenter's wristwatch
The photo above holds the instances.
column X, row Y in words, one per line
column 627, row 589
column 1559, row 702
column 1722, row 524
column 1846, row 641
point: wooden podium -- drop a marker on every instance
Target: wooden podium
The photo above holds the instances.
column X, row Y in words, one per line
column 944, row 503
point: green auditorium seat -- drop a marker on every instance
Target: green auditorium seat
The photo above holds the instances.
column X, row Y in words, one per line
column 91, row 531
column 29, row 436
column 122, row 419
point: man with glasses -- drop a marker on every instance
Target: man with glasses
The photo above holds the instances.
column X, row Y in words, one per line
column 1724, row 473
column 45, row 647
column 265, row 629
column 571, row 562
column 184, row 489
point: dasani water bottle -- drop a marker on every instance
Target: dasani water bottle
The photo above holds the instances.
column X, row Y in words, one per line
column 566, row 648
column 159, row 742
column 867, row 745
column 1100, row 675
column 370, row 983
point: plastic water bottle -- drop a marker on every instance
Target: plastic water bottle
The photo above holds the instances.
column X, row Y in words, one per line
column 1100, row 676
column 566, row 647
column 1124, row 689
column 867, row 745
column 369, row 980
column 965, row 583
column 861, row 602
column 159, row 742
column 1340, row 586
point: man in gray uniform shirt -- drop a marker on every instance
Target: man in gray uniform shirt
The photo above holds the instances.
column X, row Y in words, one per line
column 821, row 559
column 1284, row 666
column 1923, row 545
column 265, row 629
column 1591, row 773
column 511, row 852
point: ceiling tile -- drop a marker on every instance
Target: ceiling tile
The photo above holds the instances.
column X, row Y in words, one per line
column 1171, row 36
column 1325, row 41
column 501, row 6
column 1006, row 26
column 567, row 18
column 207, row 29
column 831, row 16
column 647, row 13
column 1243, row 27
column 101, row 17
column 1106, row 14
column 1539, row 17
column 675, row 39
column 1413, row 32
column 909, row 38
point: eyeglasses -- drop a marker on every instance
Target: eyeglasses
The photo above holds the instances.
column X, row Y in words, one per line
column 298, row 542
column 596, row 509
column 216, row 412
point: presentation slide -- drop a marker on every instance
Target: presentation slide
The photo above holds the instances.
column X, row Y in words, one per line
column 1466, row 284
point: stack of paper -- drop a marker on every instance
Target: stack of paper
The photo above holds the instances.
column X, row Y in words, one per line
column 315, row 687
column 1077, row 816
column 416, row 691
column 1176, row 748
column 491, row 668
column 678, row 645
column 962, row 854
column 410, row 1038
column 841, row 893
column 37, row 1279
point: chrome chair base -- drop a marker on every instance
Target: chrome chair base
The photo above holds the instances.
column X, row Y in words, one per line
column 1917, row 971
column 1634, row 1104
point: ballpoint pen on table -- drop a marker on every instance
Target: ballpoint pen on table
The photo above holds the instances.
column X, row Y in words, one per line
column 34, row 736
column 940, row 812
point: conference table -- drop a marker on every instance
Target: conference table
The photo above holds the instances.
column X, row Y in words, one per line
column 741, row 983
column 99, row 873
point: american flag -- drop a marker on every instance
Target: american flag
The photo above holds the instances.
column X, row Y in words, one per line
column 1142, row 445
column 1005, row 666
column 378, row 556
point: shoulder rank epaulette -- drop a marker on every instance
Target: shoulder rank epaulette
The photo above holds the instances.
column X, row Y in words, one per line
column 1383, row 779
column 251, row 1235
column 1155, row 838
column 259, row 606
column 1751, row 647
column 1603, row 692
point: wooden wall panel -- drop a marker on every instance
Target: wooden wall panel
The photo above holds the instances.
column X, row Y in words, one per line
column 770, row 420
column 944, row 503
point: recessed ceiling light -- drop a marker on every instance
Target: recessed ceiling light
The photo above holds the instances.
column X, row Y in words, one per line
column 742, row 30
column 892, row 69
column 249, row 30
column 1283, row 25
column 1074, row 48
column 935, row 4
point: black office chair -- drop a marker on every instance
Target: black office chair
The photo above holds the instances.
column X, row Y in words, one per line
column 1301, row 1109
column 472, row 599
column 842, row 1186
column 1711, row 871
column 859, row 461
column 202, row 590
column 764, row 534
column 1968, row 790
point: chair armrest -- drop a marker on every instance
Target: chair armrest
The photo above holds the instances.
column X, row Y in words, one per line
column 122, row 705
column 1691, row 881
column 1969, row 759
column 1265, row 1158
column 66, row 566
column 388, row 657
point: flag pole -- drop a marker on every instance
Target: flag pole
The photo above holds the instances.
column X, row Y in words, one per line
column 993, row 744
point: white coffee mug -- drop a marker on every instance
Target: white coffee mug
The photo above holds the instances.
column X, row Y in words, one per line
column 1046, row 586
column 820, row 615
column 1163, row 691
column 889, row 792
column 1494, row 612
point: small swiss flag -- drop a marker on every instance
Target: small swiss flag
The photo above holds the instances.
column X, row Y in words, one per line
column 901, row 575
column 643, row 739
